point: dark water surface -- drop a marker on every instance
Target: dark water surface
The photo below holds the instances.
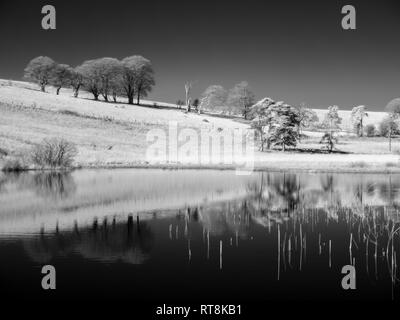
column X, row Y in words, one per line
column 188, row 235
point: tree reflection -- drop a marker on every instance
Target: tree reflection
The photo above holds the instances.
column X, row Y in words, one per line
column 57, row 185
column 106, row 243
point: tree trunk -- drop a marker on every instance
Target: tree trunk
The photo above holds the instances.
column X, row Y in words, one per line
column 76, row 92
column 390, row 139
column 58, row 90
column 138, row 98
column 130, row 99
column 43, row 87
column 114, row 97
column 299, row 133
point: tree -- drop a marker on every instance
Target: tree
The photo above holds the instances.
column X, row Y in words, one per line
column 109, row 70
column 61, row 76
column 241, row 98
column 115, row 86
column 92, row 79
column 357, row 117
column 213, row 97
column 332, row 120
column 39, row 70
column 137, row 77
column 262, row 117
column 180, row 103
column 393, row 109
column 370, row 130
column 144, row 78
column 283, row 130
column 275, row 123
column 196, row 105
column 306, row 117
column 388, row 127
column 188, row 88
column 329, row 140
column 76, row 81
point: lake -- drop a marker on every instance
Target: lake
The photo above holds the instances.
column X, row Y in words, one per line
column 190, row 235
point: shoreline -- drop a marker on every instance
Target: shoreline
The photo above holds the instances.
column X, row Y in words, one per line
column 308, row 167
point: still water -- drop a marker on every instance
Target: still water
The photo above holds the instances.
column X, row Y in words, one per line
column 190, row 235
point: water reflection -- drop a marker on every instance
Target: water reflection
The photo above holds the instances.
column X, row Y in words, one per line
column 109, row 242
column 281, row 224
column 55, row 185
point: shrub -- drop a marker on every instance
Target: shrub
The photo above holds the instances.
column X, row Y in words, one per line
column 370, row 130
column 13, row 165
column 329, row 141
column 386, row 125
column 54, row 153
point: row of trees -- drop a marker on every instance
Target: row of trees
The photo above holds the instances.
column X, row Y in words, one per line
column 107, row 77
column 388, row 127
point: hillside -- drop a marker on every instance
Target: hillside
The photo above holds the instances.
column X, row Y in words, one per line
column 105, row 133
column 114, row 134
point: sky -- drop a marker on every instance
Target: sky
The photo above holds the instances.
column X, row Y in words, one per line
column 292, row 51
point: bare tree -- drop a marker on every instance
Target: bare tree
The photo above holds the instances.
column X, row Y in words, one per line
column 76, row 81
column 241, row 98
column 213, row 97
column 188, row 88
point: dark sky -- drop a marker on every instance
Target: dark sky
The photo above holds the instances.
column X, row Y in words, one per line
column 294, row 51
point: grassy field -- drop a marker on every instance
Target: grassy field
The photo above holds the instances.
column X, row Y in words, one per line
column 105, row 133
column 114, row 134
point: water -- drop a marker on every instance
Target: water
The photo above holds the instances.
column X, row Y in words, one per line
column 191, row 235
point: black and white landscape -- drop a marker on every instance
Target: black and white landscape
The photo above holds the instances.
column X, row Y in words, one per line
column 194, row 152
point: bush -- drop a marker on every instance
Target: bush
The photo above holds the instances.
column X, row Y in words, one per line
column 385, row 125
column 370, row 130
column 329, row 141
column 13, row 165
column 54, row 153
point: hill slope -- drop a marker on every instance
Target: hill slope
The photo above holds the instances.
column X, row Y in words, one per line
column 105, row 133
